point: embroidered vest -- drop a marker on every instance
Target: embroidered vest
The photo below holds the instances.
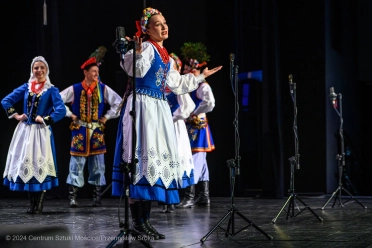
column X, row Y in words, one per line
column 153, row 83
column 87, row 140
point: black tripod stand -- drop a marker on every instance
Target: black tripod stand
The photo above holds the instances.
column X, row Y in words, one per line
column 295, row 163
column 340, row 157
column 234, row 170
column 122, row 46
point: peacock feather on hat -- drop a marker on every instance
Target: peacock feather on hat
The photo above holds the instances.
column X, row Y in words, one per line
column 99, row 54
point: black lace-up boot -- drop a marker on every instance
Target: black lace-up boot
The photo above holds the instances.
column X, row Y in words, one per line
column 138, row 221
column 146, row 205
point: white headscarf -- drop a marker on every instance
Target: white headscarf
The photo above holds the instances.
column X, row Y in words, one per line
column 47, row 84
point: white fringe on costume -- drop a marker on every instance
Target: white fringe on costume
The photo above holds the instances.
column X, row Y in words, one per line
column 30, row 153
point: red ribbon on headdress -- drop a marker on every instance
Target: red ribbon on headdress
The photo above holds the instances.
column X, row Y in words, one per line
column 91, row 60
column 201, row 64
column 139, row 28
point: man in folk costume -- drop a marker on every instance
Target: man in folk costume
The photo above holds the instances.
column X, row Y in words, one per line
column 88, row 100
column 200, row 135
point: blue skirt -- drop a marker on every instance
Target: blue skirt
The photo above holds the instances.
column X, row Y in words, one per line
column 144, row 191
column 32, row 185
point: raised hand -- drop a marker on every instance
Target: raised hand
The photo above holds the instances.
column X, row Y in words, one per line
column 207, row 72
column 138, row 43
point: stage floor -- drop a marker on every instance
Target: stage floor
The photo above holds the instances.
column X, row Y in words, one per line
column 86, row 226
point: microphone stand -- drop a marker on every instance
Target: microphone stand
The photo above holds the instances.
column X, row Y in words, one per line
column 341, row 161
column 295, row 163
column 234, row 165
column 129, row 167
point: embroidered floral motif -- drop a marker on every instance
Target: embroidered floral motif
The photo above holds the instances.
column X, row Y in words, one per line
column 98, row 140
column 193, row 133
column 11, row 110
column 159, row 76
column 173, row 164
column 83, row 103
column 76, row 142
column 95, row 100
column 165, row 156
column 145, row 159
column 84, row 116
column 32, row 103
column 152, row 152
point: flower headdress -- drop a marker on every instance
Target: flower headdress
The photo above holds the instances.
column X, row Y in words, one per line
column 177, row 60
column 195, row 54
column 146, row 15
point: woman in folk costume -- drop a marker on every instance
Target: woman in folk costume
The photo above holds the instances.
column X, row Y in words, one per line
column 197, row 124
column 31, row 163
column 181, row 108
column 156, row 175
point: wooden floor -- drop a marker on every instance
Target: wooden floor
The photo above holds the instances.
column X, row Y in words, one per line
column 349, row 225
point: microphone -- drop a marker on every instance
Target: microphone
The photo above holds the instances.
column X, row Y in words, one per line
column 332, row 95
column 120, row 43
column 120, row 33
column 232, row 57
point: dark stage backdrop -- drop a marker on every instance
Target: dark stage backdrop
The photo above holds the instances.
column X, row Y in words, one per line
column 304, row 38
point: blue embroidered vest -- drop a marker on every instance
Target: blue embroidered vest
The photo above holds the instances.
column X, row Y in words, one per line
column 153, row 83
column 87, row 140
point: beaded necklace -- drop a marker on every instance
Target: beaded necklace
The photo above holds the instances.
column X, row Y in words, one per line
column 162, row 51
column 39, row 89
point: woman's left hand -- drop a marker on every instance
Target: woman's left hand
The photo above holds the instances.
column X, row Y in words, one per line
column 207, row 72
